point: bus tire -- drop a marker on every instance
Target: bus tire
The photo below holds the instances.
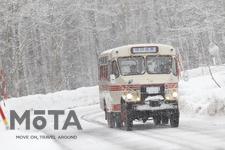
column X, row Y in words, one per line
column 119, row 121
column 157, row 119
column 127, row 116
column 111, row 120
column 165, row 119
column 106, row 114
column 105, row 110
column 174, row 120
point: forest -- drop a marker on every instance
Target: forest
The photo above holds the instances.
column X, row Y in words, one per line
column 53, row 45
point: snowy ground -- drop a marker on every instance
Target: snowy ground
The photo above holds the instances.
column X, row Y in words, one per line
column 202, row 106
column 201, row 95
column 53, row 101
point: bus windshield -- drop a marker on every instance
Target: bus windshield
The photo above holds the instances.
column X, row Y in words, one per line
column 131, row 65
column 159, row 64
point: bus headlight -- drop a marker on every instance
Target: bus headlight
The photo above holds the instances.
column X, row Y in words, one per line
column 129, row 96
column 167, row 97
column 175, row 94
column 138, row 99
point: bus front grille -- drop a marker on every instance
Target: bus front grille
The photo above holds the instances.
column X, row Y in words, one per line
column 152, row 90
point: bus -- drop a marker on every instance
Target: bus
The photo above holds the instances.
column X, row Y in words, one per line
column 139, row 82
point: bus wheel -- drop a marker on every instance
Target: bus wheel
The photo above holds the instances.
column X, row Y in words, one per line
column 127, row 117
column 105, row 110
column 174, row 120
column 165, row 119
column 111, row 120
column 106, row 114
column 119, row 121
column 157, row 119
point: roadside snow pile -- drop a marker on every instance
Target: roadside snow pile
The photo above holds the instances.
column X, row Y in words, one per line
column 201, row 95
column 59, row 100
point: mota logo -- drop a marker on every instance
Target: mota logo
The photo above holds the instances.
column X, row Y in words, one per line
column 26, row 116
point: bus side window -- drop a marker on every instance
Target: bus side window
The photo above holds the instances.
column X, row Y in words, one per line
column 109, row 69
column 174, row 67
column 115, row 69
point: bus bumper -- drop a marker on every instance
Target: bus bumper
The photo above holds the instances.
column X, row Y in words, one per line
column 154, row 108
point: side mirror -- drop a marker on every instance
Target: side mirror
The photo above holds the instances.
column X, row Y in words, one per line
column 186, row 76
column 113, row 79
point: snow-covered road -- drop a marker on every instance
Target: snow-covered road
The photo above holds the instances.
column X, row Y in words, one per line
column 193, row 133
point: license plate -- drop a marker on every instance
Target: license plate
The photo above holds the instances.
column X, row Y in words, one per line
column 152, row 90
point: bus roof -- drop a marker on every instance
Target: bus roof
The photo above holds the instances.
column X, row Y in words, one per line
column 126, row 50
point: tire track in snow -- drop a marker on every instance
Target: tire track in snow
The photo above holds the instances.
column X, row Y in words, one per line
column 190, row 139
column 144, row 127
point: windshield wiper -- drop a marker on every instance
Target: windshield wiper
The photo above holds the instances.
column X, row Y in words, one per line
column 154, row 58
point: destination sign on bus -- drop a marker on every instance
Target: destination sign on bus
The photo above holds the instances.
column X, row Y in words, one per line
column 152, row 49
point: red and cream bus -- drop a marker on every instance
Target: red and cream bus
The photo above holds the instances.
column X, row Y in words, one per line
column 139, row 82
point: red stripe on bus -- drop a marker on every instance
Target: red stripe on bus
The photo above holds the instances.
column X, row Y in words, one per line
column 103, row 79
column 171, row 85
column 133, row 87
column 115, row 107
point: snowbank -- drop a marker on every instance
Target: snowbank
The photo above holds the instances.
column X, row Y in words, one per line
column 201, row 95
column 59, row 100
